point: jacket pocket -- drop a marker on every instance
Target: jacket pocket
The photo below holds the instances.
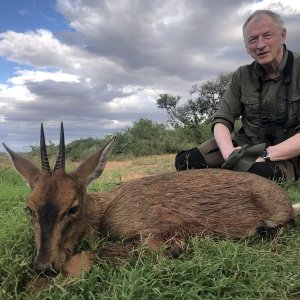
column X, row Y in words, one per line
column 251, row 108
column 294, row 110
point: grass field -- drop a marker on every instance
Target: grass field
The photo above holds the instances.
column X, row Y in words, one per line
column 251, row 268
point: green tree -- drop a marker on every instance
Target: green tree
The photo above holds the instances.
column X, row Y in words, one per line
column 144, row 137
column 204, row 102
column 208, row 96
column 169, row 103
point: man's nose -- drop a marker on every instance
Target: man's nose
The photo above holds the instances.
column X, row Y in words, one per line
column 260, row 43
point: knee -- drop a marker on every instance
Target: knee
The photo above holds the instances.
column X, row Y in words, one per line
column 189, row 159
column 267, row 170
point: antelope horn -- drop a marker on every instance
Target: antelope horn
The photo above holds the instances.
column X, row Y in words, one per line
column 60, row 162
column 43, row 149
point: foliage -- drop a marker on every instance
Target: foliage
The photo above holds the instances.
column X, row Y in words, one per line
column 204, row 102
column 79, row 149
column 208, row 97
column 145, row 137
column 169, row 102
column 51, row 149
column 148, row 138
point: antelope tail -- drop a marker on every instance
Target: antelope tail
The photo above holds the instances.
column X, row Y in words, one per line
column 296, row 208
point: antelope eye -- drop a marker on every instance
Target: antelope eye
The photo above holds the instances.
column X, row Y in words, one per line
column 73, row 210
column 29, row 211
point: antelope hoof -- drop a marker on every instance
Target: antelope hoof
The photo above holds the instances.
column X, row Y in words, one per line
column 78, row 263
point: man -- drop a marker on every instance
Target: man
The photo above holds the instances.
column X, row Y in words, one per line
column 266, row 96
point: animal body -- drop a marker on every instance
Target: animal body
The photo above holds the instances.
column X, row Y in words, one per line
column 160, row 211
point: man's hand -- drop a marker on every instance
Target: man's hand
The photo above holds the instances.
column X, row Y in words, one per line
column 226, row 152
column 260, row 159
column 224, row 141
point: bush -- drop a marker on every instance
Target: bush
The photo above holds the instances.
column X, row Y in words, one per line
column 80, row 149
column 145, row 137
column 148, row 138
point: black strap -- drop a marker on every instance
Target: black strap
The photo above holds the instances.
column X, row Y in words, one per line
column 287, row 72
column 287, row 80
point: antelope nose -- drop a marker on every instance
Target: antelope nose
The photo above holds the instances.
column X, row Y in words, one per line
column 45, row 268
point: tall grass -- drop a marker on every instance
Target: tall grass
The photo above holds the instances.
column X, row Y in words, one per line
column 249, row 268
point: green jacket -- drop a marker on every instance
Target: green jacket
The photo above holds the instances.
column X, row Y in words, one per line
column 242, row 99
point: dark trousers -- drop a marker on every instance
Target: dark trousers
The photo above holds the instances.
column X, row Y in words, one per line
column 193, row 159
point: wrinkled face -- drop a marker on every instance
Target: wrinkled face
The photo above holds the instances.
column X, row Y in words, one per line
column 264, row 40
column 57, row 219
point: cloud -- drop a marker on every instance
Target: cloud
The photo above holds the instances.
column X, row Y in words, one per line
column 105, row 70
column 24, row 12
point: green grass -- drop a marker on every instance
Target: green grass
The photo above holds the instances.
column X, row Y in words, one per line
column 251, row 268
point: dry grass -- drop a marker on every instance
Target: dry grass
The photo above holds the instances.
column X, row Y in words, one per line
column 141, row 167
column 4, row 161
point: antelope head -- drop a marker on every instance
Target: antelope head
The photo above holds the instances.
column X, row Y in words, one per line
column 56, row 202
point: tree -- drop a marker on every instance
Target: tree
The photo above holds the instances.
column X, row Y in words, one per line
column 204, row 102
column 169, row 103
column 209, row 95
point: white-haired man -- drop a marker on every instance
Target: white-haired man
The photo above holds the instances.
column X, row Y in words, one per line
column 266, row 96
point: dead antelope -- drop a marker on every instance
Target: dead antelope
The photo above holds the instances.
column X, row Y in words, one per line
column 161, row 211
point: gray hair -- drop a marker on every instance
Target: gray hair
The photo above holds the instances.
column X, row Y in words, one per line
column 276, row 18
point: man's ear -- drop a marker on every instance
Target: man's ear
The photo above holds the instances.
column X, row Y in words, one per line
column 283, row 36
column 246, row 46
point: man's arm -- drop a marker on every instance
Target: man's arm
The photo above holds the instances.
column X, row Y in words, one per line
column 288, row 149
column 223, row 139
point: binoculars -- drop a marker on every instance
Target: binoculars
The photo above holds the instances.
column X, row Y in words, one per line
column 272, row 130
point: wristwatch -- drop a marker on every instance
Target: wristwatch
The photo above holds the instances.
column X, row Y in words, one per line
column 266, row 155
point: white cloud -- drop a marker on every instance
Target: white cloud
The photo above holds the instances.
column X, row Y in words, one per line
column 2, row 118
column 10, row 94
column 38, row 76
column 141, row 100
column 284, row 7
column 34, row 48
column 16, row 90
column 40, row 49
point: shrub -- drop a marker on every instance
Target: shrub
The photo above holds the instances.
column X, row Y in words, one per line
column 145, row 137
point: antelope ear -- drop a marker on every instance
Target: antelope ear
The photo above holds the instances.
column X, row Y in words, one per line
column 94, row 165
column 26, row 168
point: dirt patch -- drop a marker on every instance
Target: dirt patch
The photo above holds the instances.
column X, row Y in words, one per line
column 136, row 176
column 118, row 164
column 140, row 167
column 5, row 162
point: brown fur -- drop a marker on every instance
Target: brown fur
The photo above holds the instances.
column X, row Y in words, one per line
column 168, row 209
column 163, row 210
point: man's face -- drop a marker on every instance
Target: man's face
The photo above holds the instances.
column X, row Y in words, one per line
column 264, row 40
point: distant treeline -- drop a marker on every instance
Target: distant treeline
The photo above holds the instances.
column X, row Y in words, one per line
column 145, row 137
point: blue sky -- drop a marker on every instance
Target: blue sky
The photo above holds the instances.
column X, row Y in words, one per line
column 100, row 65
column 28, row 15
column 22, row 16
